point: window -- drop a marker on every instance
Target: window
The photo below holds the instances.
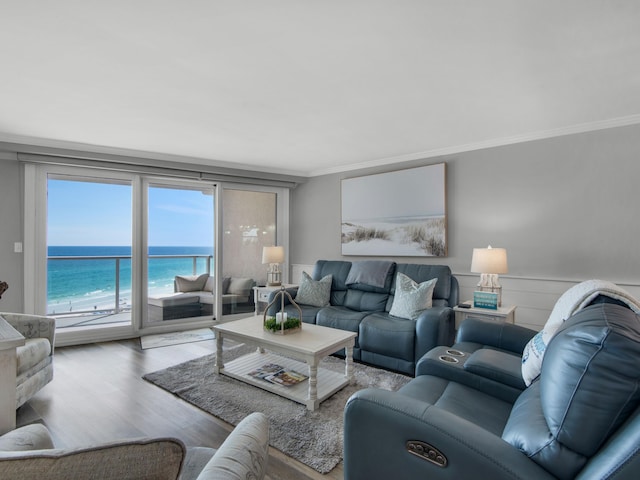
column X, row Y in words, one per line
column 102, row 246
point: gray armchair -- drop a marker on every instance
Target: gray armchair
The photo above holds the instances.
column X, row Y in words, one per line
column 579, row 419
column 35, row 357
column 29, row 452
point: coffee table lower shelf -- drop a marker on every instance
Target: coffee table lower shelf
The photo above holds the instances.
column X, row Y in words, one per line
column 328, row 382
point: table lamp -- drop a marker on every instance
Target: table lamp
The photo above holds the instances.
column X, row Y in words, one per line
column 489, row 262
column 273, row 256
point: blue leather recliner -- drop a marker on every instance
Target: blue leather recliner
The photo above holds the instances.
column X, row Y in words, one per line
column 579, row 419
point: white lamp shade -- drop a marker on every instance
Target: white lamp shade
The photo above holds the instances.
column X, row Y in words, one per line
column 272, row 255
column 489, row 260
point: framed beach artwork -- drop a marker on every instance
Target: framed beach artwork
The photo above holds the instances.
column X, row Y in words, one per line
column 400, row 213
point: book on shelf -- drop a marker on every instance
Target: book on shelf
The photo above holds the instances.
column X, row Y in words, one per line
column 277, row 374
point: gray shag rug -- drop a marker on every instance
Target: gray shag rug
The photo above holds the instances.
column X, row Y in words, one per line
column 313, row 438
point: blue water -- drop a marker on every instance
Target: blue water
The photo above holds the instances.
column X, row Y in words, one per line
column 83, row 285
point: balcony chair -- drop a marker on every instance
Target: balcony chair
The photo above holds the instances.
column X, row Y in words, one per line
column 29, row 453
column 580, row 418
column 35, row 357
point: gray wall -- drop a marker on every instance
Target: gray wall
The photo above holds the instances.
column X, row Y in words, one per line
column 564, row 208
column 10, row 232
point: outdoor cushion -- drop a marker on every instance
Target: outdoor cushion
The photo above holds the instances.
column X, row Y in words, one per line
column 240, row 286
column 191, row 283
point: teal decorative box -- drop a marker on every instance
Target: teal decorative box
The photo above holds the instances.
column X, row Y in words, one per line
column 486, row 300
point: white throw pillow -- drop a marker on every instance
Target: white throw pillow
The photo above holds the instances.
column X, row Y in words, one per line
column 411, row 298
column 314, row 292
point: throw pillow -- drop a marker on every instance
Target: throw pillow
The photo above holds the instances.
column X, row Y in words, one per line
column 240, row 286
column 314, row 292
column 191, row 283
column 226, row 281
column 411, row 298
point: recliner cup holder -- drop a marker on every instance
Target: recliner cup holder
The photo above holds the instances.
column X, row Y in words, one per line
column 455, row 353
column 448, row 359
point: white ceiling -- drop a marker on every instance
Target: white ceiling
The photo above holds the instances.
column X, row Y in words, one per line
column 312, row 87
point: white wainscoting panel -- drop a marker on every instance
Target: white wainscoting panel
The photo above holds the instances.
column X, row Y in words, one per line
column 534, row 298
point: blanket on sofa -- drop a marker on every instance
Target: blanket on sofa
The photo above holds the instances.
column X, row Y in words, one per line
column 369, row 272
column 569, row 303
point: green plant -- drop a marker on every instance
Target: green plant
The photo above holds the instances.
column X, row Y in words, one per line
column 271, row 324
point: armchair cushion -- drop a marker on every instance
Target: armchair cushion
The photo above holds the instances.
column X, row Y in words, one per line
column 34, row 351
column 27, row 453
column 156, row 459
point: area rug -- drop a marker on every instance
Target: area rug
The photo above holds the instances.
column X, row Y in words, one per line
column 313, row 438
column 175, row 338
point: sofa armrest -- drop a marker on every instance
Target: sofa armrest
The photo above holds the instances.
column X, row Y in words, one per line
column 435, row 326
column 378, row 424
column 505, row 336
column 32, row 326
column 29, row 437
column 243, row 454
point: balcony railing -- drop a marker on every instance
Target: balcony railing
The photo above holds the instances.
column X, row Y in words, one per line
column 80, row 284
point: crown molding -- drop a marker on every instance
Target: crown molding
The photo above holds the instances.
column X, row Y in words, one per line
column 498, row 142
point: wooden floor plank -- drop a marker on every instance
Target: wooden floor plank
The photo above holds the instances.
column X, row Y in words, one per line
column 98, row 395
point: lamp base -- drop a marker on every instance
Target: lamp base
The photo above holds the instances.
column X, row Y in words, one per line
column 489, row 283
column 274, row 279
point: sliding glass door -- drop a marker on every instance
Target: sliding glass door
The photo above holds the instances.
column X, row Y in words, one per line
column 112, row 253
column 89, row 251
column 180, row 278
column 250, row 223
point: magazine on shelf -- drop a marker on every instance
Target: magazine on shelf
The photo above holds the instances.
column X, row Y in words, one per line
column 277, row 374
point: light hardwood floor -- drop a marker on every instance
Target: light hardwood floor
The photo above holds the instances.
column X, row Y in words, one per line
column 98, row 395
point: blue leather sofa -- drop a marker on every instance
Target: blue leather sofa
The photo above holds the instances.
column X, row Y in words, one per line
column 579, row 419
column 383, row 340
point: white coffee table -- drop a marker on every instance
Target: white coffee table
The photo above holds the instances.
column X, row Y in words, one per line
column 309, row 345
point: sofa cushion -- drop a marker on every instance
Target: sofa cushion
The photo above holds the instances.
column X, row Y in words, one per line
column 34, row 351
column 365, row 301
column 191, row 283
column 340, row 317
column 314, row 292
column 385, row 335
column 421, row 273
column 158, row 459
column 411, row 298
column 371, row 275
column 587, row 389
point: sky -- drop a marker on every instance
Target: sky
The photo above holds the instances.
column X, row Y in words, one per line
column 100, row 214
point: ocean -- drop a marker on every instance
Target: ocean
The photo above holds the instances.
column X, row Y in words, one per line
column 89, row 284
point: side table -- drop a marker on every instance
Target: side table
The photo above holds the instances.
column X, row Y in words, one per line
column 261, row 295
column 502, row 314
